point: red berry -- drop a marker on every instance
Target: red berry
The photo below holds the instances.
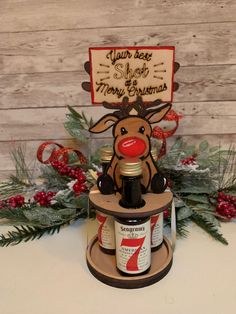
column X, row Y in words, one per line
column 166, row 213
column 83, row 188
column 81, row 178
column 76, row 187
column 43, row 202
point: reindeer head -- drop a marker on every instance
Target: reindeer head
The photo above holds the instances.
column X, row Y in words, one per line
column 131, row 126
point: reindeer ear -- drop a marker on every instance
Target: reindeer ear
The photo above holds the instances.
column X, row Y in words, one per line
column 157, row 115
column 104, row 123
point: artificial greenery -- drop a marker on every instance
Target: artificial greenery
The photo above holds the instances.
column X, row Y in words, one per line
column 195, row 187
column 208, row 226
column 77, row 124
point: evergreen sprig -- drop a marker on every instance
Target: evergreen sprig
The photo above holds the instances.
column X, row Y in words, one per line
column 181, row 228
column 22, row 181
column 77, row 123
column 208, row 226
column 26, row 233
column 14, row 216
column 23, row 174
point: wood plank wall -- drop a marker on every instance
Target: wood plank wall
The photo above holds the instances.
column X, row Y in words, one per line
column 43, row 45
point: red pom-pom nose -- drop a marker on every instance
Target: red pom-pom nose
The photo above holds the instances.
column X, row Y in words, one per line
column 132, row 147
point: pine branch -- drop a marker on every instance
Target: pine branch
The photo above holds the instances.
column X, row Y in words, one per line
column 181, row 228
column 77, row 123
column 52, row 179
column 209, row 227
column 26, row 233
column 22, row 171
column 10, row 188
column 14, row 216
column 227, row 177
column 22, row 181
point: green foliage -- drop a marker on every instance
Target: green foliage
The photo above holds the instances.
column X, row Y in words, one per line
column 184, row 213
column 194, row 188
column 38, row 216
column 22, row 181
column 209, row 227
column 52, row 180
column 77, row 124
column 181, row 228
column 26, row 233
column 14, row 216
column 198, row 198
column 23, row 174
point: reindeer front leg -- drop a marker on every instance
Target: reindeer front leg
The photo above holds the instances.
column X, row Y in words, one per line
column 158, row 183
column 153, row 180
column 105, row 184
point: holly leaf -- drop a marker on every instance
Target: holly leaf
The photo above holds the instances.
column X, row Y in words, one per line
column 184, row 213
column 189, row 150
column 210, row 217
column 75, row 130
column 196, row 189
column 82, row 201
column 47, row 216
column 177, row 145
column 203, row 146
column 199, row 198
column 214, row 149
column 178, row 202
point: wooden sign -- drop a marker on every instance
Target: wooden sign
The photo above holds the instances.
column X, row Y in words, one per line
column 131, row 71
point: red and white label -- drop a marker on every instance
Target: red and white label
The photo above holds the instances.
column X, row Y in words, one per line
column 133, row 250
column 106, row 231
column 156, row 230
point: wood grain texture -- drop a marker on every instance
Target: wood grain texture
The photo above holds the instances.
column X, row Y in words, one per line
column 34, row 124
column 7, row 165
column 43, row 46
column 55, row 51
column 197, row 83
column 30, row 151
column 28, row 15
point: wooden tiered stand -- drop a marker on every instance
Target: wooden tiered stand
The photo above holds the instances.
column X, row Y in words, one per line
column 103, row 266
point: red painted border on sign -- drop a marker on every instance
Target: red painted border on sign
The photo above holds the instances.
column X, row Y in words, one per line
column 130, row 48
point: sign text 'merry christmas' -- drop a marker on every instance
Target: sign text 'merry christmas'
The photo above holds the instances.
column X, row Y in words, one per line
column 132, row 72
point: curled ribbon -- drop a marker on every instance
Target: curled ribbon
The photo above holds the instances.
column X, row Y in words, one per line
column 160, row 134
column 58, row 153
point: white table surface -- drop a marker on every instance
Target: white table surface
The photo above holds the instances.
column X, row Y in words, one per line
column 50, row 276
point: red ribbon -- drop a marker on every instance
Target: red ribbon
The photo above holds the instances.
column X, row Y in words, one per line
column 162, row 135
column 61, row 154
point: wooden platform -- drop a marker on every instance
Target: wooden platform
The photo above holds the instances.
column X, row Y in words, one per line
column 109, row 204
column 103, row 267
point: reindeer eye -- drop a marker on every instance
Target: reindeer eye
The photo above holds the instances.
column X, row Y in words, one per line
column 141, row 129
column 123, row 131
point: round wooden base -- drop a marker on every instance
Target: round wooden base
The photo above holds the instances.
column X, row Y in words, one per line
column 109, row 204
column 103, row 267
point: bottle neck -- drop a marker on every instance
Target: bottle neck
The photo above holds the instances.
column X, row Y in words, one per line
column 131, row 195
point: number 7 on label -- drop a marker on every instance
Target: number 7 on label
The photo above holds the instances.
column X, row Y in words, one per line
column 132, row 263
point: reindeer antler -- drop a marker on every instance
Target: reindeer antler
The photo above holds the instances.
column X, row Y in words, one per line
column 125, row 107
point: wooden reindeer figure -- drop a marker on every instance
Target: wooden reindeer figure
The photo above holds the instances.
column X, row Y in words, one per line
column 132, row 132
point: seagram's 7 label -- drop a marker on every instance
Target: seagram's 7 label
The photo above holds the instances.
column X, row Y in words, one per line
column 133, row 250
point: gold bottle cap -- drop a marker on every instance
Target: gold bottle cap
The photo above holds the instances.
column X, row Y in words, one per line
column 130, row 167
column 106, row 154
column 154, row 153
